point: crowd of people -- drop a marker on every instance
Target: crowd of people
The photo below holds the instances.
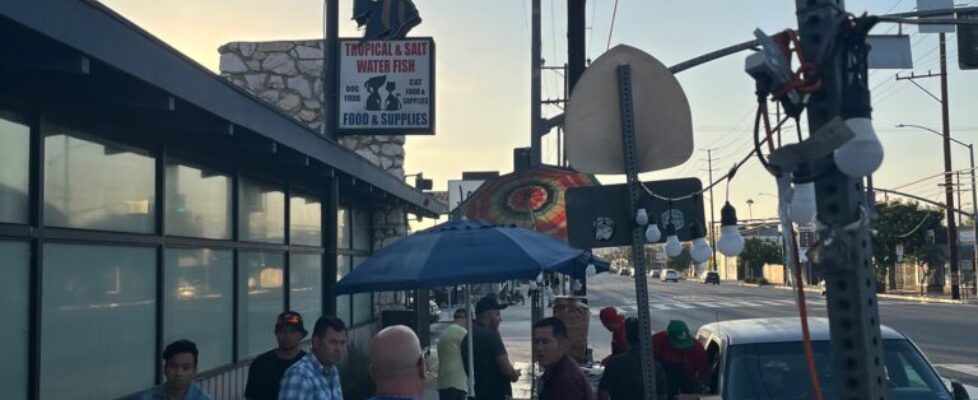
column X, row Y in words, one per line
column 397, row 365
column 397, row 361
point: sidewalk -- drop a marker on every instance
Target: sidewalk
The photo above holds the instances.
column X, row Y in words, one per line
column 894, row 295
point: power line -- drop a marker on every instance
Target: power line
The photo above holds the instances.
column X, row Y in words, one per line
column 594, row 9
column 614, row 13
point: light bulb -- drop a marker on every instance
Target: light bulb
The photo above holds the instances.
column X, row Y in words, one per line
column 731, row 243
column 802, row 209
column 577, row 285
column 862, row 154
column 590, row 271
column 701, row 250
column 642, row 217
column 652, row 233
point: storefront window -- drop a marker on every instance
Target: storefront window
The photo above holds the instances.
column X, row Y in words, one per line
column 362, row 302
column 97, row 321
column 261, row 213
column 305, row 225
column 361, row 229
column 343, row 302
column 14, row 170
column 198, row 202
column 15, row 297
column 261, row 299
column 306, row 285
column 198, row 303
column 93, row 185
column 343, row 227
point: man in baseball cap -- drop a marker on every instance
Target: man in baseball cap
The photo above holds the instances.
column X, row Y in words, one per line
column 266, row 370
column 493, row 371
column 682, row 358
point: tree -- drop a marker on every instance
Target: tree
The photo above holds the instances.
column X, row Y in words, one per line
column 758, row 252
column 907, row 224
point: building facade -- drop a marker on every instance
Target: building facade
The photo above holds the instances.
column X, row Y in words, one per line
column 144, row 199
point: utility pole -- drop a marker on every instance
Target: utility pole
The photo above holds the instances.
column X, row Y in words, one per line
column 844, row 250
column 536, row 131
column 974, row 222
column 576, row 46
column 713, row 234
column 952, row 230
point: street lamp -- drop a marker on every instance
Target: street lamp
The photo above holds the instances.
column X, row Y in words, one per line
column 947, row 177
column 750, row 209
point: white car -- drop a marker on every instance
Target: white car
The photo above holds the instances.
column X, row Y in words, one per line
column 670, row 275
column 762, row 359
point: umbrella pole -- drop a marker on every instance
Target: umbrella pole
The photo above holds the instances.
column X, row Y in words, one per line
column 470, row 315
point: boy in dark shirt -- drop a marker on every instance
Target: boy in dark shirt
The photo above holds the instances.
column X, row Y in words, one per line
column 266, row 370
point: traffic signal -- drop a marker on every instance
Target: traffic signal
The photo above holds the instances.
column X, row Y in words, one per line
column 968, row 42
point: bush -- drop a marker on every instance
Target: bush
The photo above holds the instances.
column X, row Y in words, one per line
column 759, row 280
column 355, row 373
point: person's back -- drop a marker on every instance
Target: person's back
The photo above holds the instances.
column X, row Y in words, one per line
column 622, row 377
column 452, row 383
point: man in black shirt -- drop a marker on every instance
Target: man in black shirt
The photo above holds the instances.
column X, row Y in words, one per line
column 266, row 370
column 622, row 377
column 493, row 371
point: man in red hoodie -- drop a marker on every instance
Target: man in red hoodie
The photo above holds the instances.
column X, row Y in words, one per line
column 614, row 322
column 682, row 358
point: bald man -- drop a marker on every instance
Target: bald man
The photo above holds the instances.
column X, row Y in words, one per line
column 397, row 364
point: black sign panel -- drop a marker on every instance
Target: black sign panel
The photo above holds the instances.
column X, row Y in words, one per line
column 968, row 42
column 597, row 216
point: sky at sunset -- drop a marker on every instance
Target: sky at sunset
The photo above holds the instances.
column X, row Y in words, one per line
column 483, row 77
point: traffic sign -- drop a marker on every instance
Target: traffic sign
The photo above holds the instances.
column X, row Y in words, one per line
column 663, row 123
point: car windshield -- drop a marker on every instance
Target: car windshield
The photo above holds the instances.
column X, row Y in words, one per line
column 777, row 371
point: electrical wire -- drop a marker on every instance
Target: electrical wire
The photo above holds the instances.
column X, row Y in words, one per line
column 926, row 216
column 614, row 14
column 594, row 9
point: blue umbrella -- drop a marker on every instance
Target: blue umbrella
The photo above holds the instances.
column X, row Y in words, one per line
column 460, row 252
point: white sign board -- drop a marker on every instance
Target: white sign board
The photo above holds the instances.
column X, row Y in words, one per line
column 459, row 190
column 889, row 52
column 936, row 5
column 386, row 86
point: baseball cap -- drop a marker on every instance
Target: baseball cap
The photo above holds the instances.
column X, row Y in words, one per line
column 488, row 302
column 291, row 318
column 678, row 334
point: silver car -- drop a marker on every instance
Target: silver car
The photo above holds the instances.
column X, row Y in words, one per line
column 762, row 359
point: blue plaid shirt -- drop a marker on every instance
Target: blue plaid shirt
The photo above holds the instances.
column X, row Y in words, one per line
column 308, row 379
column 159, row 393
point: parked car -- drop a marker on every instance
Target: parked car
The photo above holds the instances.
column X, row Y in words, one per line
column 670, row 275
column 711, row 277
column 655, row 273
column 626, row 272
column 821, row 287
column 761, row 359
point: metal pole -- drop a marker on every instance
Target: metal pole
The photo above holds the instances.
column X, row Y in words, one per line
column 952, row 229
column 638, row 234
column 713, row 233
column 844, row 251
column 535, row 89
column 576, row 46
column 957, row 189
column 331, row 75
column 469, row 312
column 974, row 226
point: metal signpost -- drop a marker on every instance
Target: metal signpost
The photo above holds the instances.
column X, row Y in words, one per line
column 638, row 234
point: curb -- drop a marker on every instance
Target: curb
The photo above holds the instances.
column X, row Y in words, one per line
column 889, row 296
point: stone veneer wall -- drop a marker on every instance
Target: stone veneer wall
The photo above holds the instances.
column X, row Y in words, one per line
column 288, row 74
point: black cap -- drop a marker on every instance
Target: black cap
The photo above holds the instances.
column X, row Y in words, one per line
column 293, row 319
column 489, row 302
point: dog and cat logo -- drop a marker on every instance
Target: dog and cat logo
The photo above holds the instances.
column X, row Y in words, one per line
column 375, row 101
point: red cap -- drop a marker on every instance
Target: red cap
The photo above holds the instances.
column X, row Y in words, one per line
column 610, row 315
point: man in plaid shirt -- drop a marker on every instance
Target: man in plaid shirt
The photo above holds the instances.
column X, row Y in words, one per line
column 315, row 376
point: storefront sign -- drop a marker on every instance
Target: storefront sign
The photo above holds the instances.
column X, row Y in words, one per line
column 386, row 87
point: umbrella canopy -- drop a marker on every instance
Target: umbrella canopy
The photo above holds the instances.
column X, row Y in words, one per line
column 533, row 199
column 458, row 252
